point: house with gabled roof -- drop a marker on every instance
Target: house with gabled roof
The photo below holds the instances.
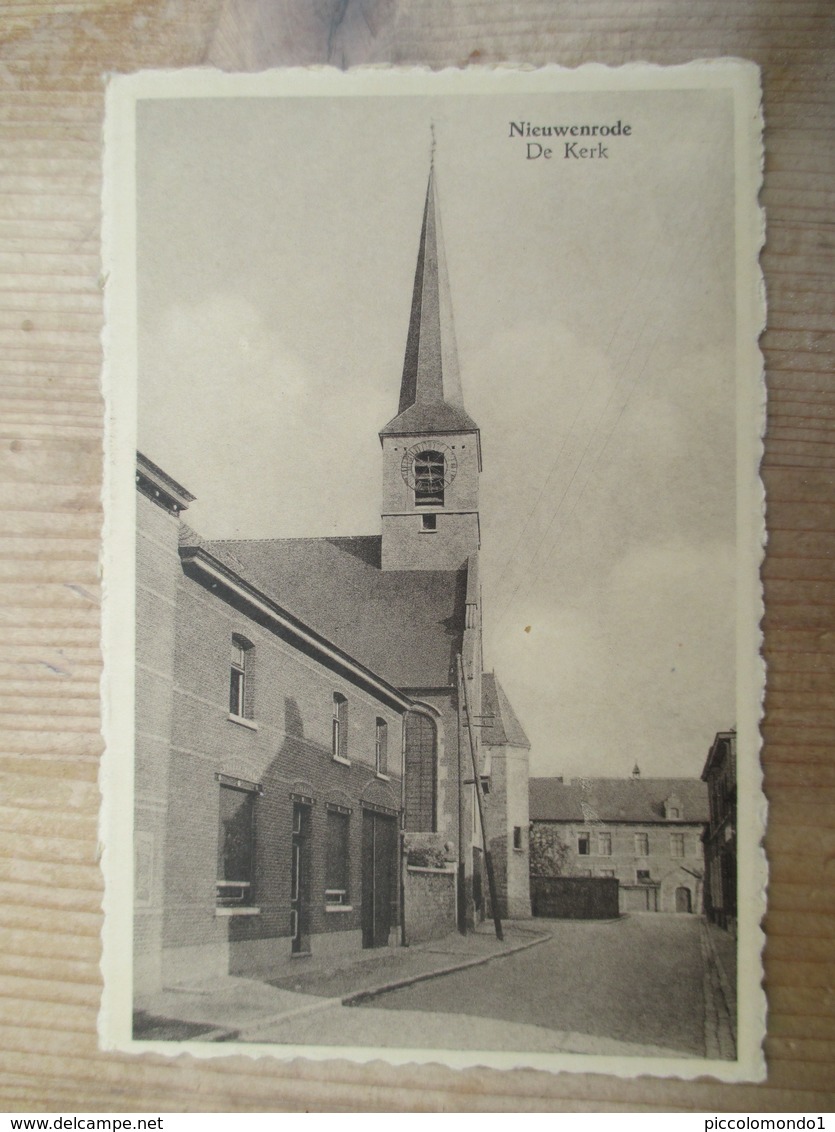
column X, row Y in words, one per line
column 645, row 832
column 313, row 723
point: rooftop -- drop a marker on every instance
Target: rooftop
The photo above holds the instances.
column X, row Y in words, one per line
column 616, row 799
column 431, row 399
column 406, row 626
column 500, row 727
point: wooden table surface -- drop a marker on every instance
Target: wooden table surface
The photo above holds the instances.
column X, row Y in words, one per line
column 52, row 58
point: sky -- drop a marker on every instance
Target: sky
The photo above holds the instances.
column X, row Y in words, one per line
column 594, row 311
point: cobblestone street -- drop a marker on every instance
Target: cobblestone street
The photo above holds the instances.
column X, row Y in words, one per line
column 633, row 986
column 638, row 980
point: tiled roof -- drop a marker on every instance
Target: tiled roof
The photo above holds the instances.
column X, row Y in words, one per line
column 615, row 799
column 500, row 727
column 406, row 626
column 425, row 417
column 188, row 536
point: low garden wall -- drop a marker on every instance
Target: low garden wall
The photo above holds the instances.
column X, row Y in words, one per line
column 429, row 902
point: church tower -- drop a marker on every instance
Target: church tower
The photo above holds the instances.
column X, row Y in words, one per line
column 431, row 449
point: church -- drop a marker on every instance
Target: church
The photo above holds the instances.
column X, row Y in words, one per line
column 321, row 759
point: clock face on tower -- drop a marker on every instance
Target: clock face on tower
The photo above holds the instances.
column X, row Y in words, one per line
column 428, row 469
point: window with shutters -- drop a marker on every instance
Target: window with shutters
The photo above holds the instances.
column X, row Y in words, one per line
column 641, row 844
column 421, row 772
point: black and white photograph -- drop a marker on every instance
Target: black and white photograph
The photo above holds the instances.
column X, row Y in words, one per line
column 433, row 530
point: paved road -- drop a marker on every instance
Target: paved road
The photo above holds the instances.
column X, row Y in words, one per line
column 638, row 980
column 631, row 986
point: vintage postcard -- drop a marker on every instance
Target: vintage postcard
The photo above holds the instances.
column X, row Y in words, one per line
column 433, row 532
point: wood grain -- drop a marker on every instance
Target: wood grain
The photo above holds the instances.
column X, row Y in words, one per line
column 52, row 58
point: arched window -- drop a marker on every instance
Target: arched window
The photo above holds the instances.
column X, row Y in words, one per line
column 429, row 479
column 421, row 772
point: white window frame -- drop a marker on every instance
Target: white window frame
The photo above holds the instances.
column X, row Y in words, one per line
column 339, row 733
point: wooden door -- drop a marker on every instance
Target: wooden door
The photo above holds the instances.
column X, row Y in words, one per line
column 683, row 900
column 379, row 877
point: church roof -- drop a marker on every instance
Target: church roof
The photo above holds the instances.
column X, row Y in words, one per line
column 616, row 799
column 430, row 390
column 500, row 727
column 407, row 626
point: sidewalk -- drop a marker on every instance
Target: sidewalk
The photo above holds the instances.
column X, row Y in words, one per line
column 219, row 1009
column 719, row 956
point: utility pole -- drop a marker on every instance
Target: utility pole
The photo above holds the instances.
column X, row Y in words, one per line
column 488, row 856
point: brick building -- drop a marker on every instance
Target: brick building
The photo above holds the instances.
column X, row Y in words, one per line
column 720, row 834
column 308, row 711
column 645, row 832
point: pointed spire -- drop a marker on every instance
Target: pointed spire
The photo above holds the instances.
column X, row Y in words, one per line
column 430, row 390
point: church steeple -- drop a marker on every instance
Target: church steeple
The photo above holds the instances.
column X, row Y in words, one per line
column 431, row 449
column 430, row 389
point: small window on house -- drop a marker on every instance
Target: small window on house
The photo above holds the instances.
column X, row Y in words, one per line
column 583, row 844
column 517, row 837
column 429, row 522
column 604, row 844
column 337, row 868
column 429, row 475
column 340, row 727
column 240, row 679
column 676, row 844
column 643, row 876
column 641, row 845
column 673, row 812
column 606, row 872
column 381, row 747
column 235, row 846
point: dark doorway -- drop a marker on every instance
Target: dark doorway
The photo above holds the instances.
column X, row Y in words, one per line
column 683, row 900
column 379, row 877
column 300, row 880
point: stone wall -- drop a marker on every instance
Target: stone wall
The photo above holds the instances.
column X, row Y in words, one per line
column 429, row 902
